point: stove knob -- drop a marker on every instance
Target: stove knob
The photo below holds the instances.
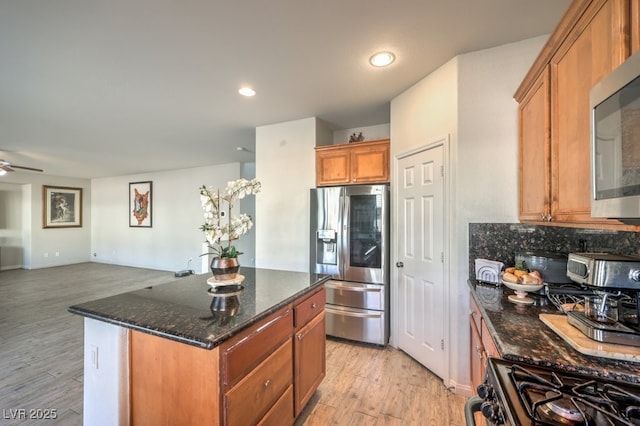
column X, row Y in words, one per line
column 489, row 410
column 485, row 391
column 634, row 274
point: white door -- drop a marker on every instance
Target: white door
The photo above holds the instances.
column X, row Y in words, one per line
column 420, row 262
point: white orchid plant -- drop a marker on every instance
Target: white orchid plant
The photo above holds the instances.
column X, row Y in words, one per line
column 220, row 226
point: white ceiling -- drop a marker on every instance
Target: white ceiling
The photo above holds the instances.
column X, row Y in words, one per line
column 95, row 88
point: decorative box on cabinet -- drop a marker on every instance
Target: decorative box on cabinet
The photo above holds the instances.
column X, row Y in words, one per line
column 352, row 164
column 555, row 166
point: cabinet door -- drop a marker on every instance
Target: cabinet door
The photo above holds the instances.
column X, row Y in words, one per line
column 477, row 355
column 594, row 48
column 333, row 166
column 370, row 164
column 635, row 27
column 535, row 156
column 309, row 360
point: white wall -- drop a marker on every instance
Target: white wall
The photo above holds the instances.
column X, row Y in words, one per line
column 11, row 245
column 247, row 243
column 470, row 98
column 176, row 218
column 487, row 155
column 285, row 164
column 40, row 245
column 370, row 133
column 422, row 115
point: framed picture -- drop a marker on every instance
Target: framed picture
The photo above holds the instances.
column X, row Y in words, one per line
column 62, row 207
column 140, row 200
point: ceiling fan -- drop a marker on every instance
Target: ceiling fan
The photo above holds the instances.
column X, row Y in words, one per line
column 5, row 167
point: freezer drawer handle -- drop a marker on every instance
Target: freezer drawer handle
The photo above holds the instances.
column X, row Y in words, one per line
column 358, row 289
column 400, row 264
column 351, row 314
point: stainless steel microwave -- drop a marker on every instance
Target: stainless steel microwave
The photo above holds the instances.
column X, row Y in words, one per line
column 615, row 143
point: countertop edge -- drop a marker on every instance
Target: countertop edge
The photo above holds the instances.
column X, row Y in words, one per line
column 606, row 368
column 208, row 345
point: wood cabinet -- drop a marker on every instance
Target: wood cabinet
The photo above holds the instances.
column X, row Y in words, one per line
column 353, row 163
column 256, row 369
column 309, row 348
column 250, row 400
column 477, row 354
column 263, row 375
column 591, row 40
column 482, row 345
column 535, row 152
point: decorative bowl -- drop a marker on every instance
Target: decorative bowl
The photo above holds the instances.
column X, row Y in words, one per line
column 520, row 291
column 523, row 287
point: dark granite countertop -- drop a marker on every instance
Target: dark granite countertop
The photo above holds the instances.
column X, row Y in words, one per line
column 183, row 310
column 521, row 336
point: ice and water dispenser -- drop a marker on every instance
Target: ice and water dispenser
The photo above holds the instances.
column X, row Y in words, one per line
column 326, row 247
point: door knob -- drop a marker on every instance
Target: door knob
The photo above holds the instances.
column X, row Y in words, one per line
column 399, row 264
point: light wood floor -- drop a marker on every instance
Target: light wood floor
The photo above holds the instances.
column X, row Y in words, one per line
column 41, row 357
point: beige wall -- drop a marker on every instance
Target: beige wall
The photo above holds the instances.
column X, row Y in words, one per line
column 469, row 100
column 285, row 164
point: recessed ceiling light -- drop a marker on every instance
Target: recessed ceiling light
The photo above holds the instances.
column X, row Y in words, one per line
column 247, row 91
column 382, row 59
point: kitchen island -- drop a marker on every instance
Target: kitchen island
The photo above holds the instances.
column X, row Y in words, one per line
column 176, row 354
column 519, row 335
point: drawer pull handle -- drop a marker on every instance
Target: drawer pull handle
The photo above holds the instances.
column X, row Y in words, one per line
column 314, row 305
column 267, row 383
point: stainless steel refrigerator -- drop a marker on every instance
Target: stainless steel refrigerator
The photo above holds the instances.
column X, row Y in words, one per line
column 350, row 241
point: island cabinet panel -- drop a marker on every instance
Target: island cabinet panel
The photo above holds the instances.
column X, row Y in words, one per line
column 172, row 383
column 263, row 375
column 353, row 163
column 243, row 352
column 250, row 400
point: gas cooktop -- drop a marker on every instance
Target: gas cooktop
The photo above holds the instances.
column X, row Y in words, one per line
column 521, row 394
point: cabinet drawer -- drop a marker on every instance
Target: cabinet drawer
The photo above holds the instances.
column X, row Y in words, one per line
column 282, row 412
column 255, row 394
column 309, row 308
column 244, row 351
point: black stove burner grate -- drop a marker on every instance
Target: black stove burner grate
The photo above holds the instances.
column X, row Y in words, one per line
column 552, row 400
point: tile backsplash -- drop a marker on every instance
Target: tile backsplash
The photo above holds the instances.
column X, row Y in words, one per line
column 500, row 241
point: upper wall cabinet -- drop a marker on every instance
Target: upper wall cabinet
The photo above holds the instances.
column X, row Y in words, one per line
column 591, row 40
column 353, row 163
column 535, row 162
